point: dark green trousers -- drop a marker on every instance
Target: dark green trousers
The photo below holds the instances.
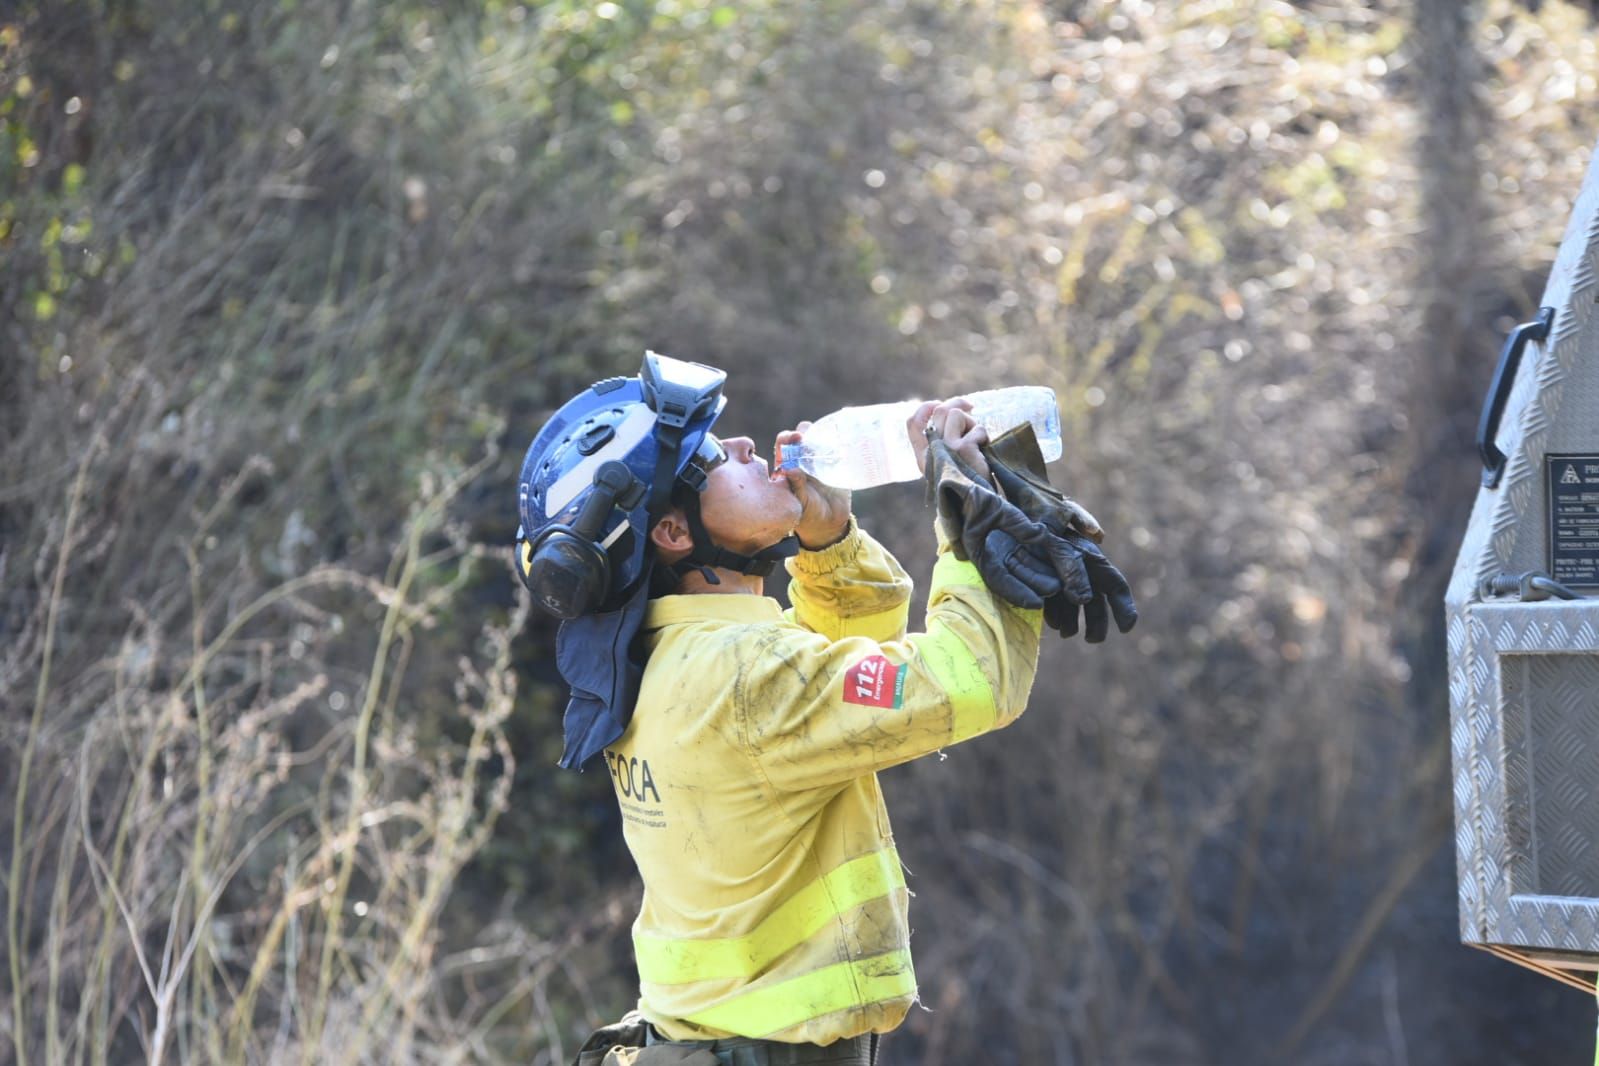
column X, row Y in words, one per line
column 745, row 1051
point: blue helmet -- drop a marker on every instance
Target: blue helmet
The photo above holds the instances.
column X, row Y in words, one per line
column 600, row 474
column 601, row 471
column 594, row 481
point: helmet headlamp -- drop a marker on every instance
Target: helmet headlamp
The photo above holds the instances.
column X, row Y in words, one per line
column 679, row 391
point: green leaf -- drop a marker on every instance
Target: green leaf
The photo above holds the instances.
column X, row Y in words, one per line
column 723, row 17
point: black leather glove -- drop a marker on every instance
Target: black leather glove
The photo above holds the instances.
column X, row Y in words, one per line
column 1017, row 464
column 1112, row 597
column 981, row 526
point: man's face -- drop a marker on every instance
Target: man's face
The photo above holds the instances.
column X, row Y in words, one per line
column 742, row 508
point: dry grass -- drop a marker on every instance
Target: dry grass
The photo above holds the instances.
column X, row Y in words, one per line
column 194, row 884
column 271, row 353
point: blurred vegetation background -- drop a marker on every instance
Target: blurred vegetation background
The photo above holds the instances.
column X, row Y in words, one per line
column 287, row 287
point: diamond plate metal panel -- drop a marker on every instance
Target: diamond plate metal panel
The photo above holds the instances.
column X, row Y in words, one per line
column 1524, row 678
column 1528, row 807
column 1557, row 697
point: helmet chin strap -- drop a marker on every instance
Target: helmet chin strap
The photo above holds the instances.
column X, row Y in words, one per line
column 707, row 554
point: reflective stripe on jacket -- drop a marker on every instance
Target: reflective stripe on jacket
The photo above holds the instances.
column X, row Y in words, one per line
column 774, row 902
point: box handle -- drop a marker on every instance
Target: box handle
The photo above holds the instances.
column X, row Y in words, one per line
column 1493, row 407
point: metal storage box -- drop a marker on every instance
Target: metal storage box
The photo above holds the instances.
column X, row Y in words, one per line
column 1523, row 669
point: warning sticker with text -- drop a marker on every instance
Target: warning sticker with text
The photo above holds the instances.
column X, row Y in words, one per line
column 1573, row 482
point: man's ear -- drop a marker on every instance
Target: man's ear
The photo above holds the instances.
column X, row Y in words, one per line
column 671, row 536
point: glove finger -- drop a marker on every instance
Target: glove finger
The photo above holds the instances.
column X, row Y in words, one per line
column 1069, row 562
column 1010, row 486
column 1012, row 591
column 1125, row 610
column 1060, row 614
column 1083, row 521
column 1106, row 578
column 1005, row 585
column 1110, row 583
column 1024, row 564
column 1096, row 619
column 951, row 516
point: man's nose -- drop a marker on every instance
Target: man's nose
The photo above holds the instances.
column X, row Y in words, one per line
column 740, row 448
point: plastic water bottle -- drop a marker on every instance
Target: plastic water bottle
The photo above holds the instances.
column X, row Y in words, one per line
column 862, row 447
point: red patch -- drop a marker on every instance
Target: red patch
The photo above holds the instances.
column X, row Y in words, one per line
column 874, row 682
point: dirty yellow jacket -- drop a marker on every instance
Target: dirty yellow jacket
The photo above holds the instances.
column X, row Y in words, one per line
column 774, row 902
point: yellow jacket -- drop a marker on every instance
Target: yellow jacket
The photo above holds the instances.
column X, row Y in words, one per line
column 774, row 903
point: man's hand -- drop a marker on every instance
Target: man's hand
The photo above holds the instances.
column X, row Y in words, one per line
column 952, row 420
column 825, row 518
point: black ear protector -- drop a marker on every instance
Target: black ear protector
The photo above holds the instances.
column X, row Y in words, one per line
column 566, row 569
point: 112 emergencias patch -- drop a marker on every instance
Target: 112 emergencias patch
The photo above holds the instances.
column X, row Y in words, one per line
column 874, row 682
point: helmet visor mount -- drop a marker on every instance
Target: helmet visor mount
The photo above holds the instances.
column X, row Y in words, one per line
column 707, row 457
column 679, row 391
column 710, row 454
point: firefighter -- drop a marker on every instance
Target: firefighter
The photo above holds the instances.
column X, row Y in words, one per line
column 743, row 740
